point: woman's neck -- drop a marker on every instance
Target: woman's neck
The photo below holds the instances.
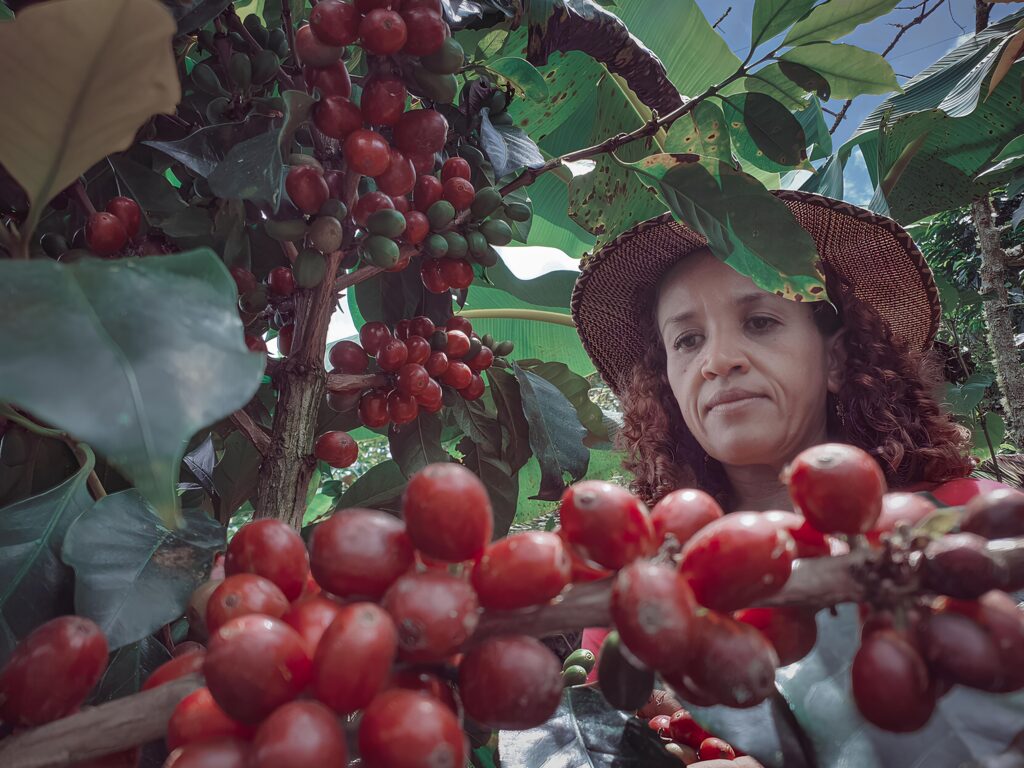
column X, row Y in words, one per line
column 757, row 488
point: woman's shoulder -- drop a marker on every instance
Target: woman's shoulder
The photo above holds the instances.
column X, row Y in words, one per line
column 954, row 493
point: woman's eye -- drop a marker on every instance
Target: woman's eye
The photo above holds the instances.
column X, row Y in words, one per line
column 687, row 341
column 761, row 323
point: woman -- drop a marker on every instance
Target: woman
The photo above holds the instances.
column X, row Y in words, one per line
column 723, row 383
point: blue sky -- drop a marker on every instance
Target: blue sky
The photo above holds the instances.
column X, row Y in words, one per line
column 919, row 47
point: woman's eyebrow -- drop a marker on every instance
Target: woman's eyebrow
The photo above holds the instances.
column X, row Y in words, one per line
column 754, row 297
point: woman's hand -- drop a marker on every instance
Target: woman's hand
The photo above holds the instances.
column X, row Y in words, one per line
column 739, row 762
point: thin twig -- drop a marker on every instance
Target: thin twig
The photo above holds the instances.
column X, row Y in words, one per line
column 352, row 382
column 83, row 198
column 257, row 435
column 354, row 278
column 722, row 17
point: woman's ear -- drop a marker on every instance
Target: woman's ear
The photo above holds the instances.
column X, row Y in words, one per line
column 835, row 360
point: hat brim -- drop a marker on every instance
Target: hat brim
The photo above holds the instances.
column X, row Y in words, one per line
column 885, row 268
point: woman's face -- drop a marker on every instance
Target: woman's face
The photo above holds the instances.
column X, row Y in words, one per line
column 726, row 339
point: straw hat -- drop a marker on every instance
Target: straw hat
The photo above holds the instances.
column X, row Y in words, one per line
column 877, row 256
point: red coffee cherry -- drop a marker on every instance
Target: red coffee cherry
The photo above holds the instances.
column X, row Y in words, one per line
column 332, row 80
column 271, row 549
column 383, row 32
column 421, row 326
column 426, row 31
column 180, row 666
column 483, row 360
column 369, row 204
column 392, row 355
column 311, row 52
column 791, row 631
column 421, row 132
column 960, row 565
column 373, row 409
column 128, row 212
column 458, row 273
column 891, row 686
column 432, row 276
column 402, row 408
column 606, row 523
column 417, row 227
column 284, row 339
column 431, row 396
column 402, row 204
column 998, row 514
column 337, row 448
column 223, row 753
column 837, row 487
column 1002, row 619
column 372, row 335
column 281, row 281
column 255, row 343
column 245, row 280
column 435, row 614
column 958, row 650
column 683, row 729
column 360, row 553
column 474, row 390
column 419, row 350
column 406, row 729
column 510, row 682
column 684, row 512
column 447, row 512
column 810, row 542
column 424, row 682
column 298, row 735
column 458, row 323
column 242, row 594
column 198, row 718
column 653, row 610
column 737, row 560
column 367, row 152
column 353, row 660
column 456, row 168
column 398, row 180
column 909, row 508
column 337, row 117
column 383, row 101
column 520, row 570
column 715, row 749
column 52, row 670
column 431, row 5
column 306, row 188
column 349, row 357
column 365, row 6
column 105, row 234
column 458, row 345
column 254, row 664
column 427, row 191
column 334, row 22
column 734, row 663
column 310, row 617
column 412, row 379
column 437, row 364
column 459, row 192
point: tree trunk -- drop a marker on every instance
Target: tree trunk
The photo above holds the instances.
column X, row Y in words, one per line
column 289, row 463
column 995, row 274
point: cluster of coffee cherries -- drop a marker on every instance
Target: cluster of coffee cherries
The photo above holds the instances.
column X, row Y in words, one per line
column 420, row 360
column 106, row 233
column 687, row 740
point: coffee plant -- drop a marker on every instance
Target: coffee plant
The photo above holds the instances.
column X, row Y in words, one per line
column 191, row 190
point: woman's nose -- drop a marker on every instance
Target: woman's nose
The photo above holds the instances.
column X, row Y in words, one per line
column 723, row 355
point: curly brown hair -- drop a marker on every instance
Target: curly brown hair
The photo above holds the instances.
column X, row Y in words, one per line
column 889, row 396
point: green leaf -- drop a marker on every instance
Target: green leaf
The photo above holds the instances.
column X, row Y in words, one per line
column 193, row 14
column 849, row 70
column 380, row 487
column 153, row 192
column 522, row 74
column 418, row 443
column 502, row 484
column 477, row 424
column 745, row 225
column 556, row 435
column 552, row 289
column 252, row 170
column 133, row 574
column 771, row 81
column 6, row 14
column 764, row 132
column 964, row 398
column 154, row 348
column 827, row 180
column 128, row 669
column 703, row 132
column 831, row 20
column 996, row 429
column 1010, row 157
column 805, row 78
column 204, row 149
column 117, row 69
column 236, row 474
column 577, row 390
column 508, row 401
column 35, row 585
column 949, row 297
column 812, row 120
column 772, row 16
column 508, row 147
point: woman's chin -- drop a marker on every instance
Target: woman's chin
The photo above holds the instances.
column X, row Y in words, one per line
column 747, row 450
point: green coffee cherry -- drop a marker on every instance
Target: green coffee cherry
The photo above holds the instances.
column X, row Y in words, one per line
column 436, row 246
column 518, row 211
column 498, row 103
column 264, row 67
column 440, row 215
column 475, row 345
column 206, row 80
column 237, row 41
column 255, row 28
column 441, row 89
column 504, row 349
column 255, row 300
column 446, row 60
column 296, row 158
column 485, row 202
column 240, row 69
column 625, row 683
column 278, row 42
column 309, row 268
column 497, row 232
column 334, row 208
column 457, row 247
column 291, row 230
column 488, row 341
column 53, row 244
column 581, row 656
column 489, row 258
column 386, row 222
column 574, row 675
column 325, row 234
column 217, row 109
column 439, row 341
column 206, row 40
column 472, row 154
column 381, row 251
column 477, row 243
